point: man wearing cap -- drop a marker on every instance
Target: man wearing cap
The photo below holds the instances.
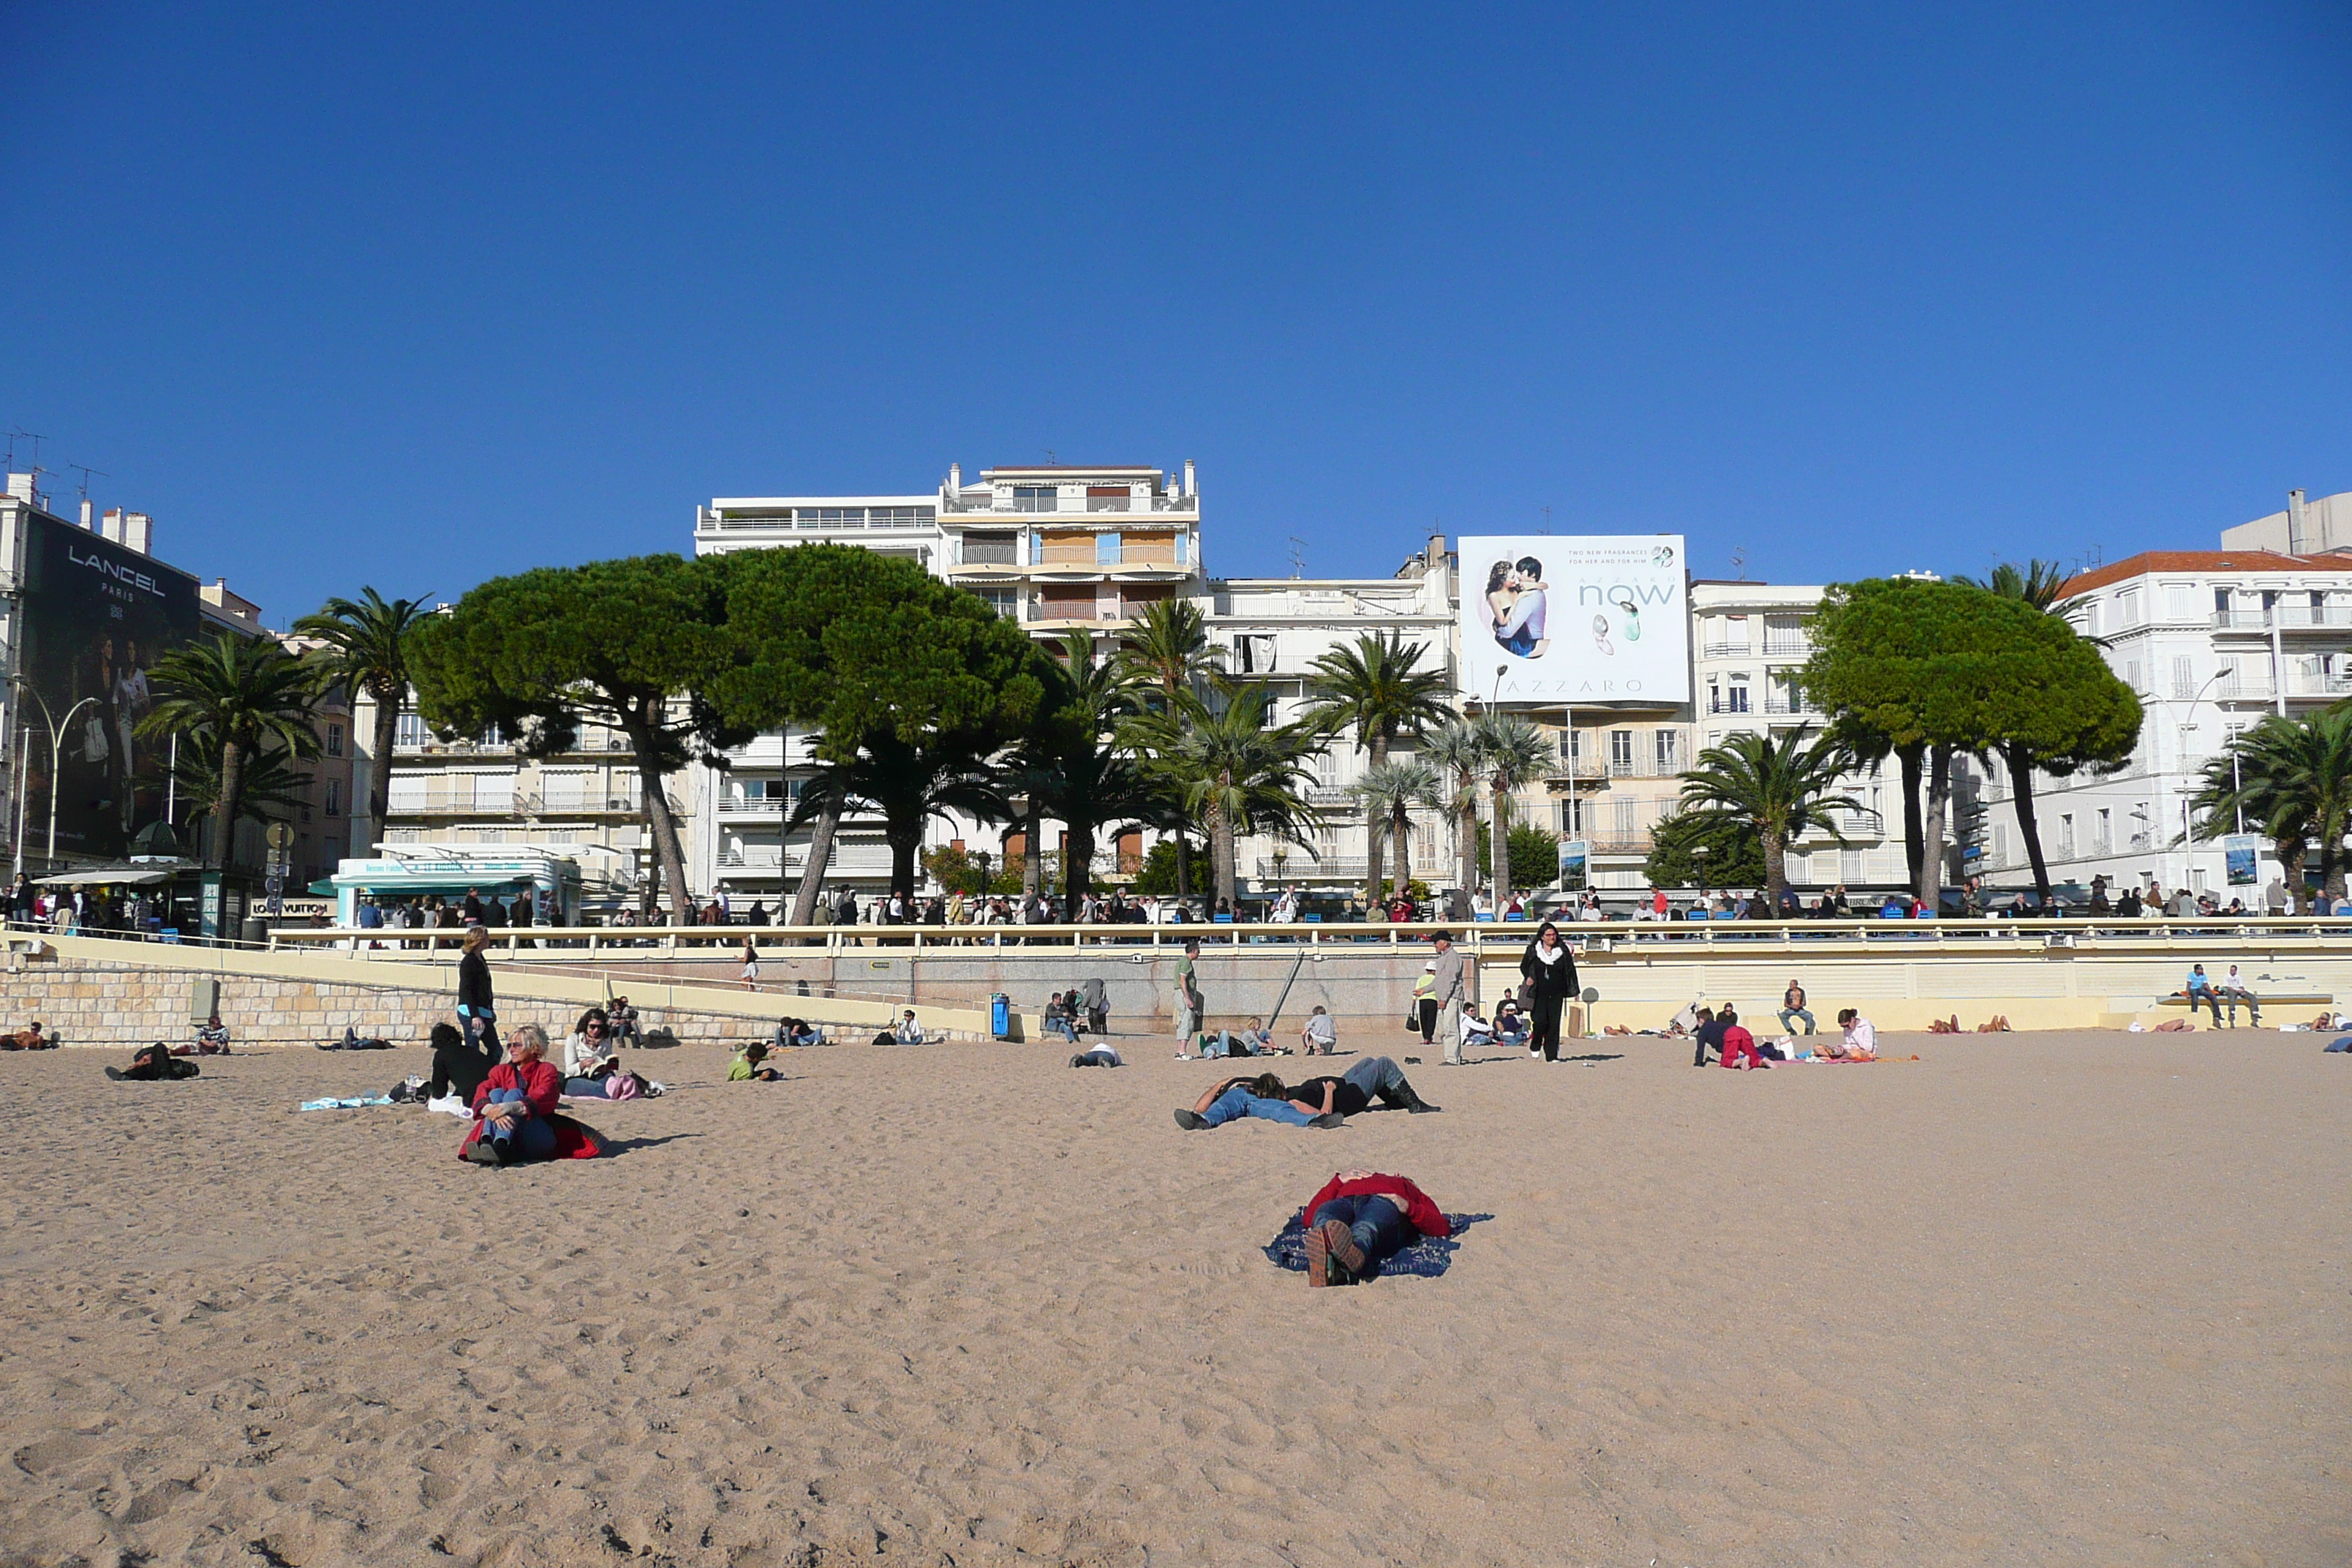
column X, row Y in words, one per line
column 1445, row 990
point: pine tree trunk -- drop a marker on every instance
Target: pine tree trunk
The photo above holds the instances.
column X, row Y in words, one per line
column 1466, row 852
column 906, row 842
column 1930, row 886
column 639, row 727
column 1033, row 852
column 820, row 851
column 1914, row 839
column 2029, row 826
column 1377, row 744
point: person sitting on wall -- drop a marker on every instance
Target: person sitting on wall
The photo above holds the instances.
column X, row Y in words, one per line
column 1059, row 1018
column 1264, row 1096
column 30, row 1039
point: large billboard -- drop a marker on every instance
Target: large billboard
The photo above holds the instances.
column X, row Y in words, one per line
column 96, row 617
column 1550, row 620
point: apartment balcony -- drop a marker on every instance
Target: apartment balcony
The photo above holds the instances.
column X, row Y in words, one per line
column 2326, row 685
column 573, row 804
column 1072, row 506
column 1741, row 649
column 1788, row 647
column 450, row 803
column 1784, row 703
column 2287, row 617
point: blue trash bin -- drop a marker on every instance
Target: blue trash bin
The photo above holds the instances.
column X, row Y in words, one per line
column 1000, row 1015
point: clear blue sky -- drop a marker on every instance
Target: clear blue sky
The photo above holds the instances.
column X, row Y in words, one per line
column 415, row 295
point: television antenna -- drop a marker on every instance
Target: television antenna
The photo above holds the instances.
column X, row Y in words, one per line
column 1739, row 561
column 1546, row 529
column 1297, row 556
column 87, row 473
column 16, row 436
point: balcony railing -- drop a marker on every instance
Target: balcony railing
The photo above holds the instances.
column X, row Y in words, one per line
column 1739, row 649
column 1076, row 504
column 2289, row 617
column 1782, row 703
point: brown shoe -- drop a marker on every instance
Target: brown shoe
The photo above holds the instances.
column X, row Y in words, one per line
column 1329, row 1247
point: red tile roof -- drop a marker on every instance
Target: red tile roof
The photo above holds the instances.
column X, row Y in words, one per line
column 2202, row 561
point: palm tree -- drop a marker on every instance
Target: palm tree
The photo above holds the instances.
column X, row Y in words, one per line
column 1453, row 748
column 1232, row 771
column 232, row 697
column 2293, row 776
column 1076, row 761
column 367, row 650
column 1394, row 789
column 1169, row 656
column 1377, row 686
column 1776, row 789
column 911, row 786
column 1513, row 754
column 270, row 788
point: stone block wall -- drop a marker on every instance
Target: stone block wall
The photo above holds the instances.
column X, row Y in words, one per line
column 120, row 1007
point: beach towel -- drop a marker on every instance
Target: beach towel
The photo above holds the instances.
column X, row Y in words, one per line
column 353, row 1103
column 573, row 1140
column 1424, row 1258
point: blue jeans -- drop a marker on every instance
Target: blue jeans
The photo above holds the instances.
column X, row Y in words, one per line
column 1376, row 1223
column 1226, row 1044
column 1788, row 1013
column 1375, row 1076
column 1238, row 1101
column 480, row 1027
column 529, row 1136
column 581, row 1088
column 1063, row 1027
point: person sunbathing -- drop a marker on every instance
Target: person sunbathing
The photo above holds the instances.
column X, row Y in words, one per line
column 747, row 1064
column 1360, row 1220
column 1099, row 1056
column 1351, row 1094
column 30, row 1039
column 153, row 1064
column 1262, row 1096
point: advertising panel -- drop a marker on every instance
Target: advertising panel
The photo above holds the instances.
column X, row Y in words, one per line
column 1548, row 620
column 97, row 616
column 2240, row 854
column 1575, row 855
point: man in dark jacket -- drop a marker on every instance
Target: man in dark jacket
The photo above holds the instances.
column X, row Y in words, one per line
column 1709, row 1035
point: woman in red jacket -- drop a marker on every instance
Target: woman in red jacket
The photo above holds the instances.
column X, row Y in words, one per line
column 515, row 1103
column 1359, row 1219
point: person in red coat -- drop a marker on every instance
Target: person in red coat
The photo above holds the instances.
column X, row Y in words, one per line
column 1738, row 1043
column 1359, row 1219
column 515, row 1107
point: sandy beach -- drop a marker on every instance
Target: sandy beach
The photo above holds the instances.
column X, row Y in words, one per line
column 2033, row 1298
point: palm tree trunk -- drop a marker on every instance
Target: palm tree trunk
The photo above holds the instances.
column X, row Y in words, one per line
column 2331, row 857
column 638, row 724
column 820, row 851
column 1913, row 840
column 1183, row 870
column 906, row 840
column 1776, row 871
column 2291, row 855
column 232, row 790
column 1400, row 834
column 387, row 736
column 2029, row 826
column 1077, row 866
column 1032, row 851
column 1378, row 745
column 1930, row 886
column 1220, row 840
column 1499, row 850
column 1466, row 852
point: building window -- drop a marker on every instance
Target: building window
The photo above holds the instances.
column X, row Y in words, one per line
column 1669, row 751
column 1736, row 695
column 1999, row 844
column 2103, row 832
column 2127, row 607
column 992, row 550
column 410, row 735
column 491, row 735
column 1628, row 824
column 1006, row 602
column 2131, row 675
column 2227, row 685
column 2066, row 835
column 1106, row 546
column 2180, row 602
column 1621, row 751
column 334, row 740
column 1714, row 697
column 1036, row 498
column 334, row 797
column 1183, row 545
column 2184, row 676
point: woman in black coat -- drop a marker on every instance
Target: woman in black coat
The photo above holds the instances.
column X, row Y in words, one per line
column 477, row 1011
column 1550, row 973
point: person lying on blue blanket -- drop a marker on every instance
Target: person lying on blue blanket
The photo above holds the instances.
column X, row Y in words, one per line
column 1359, row 1219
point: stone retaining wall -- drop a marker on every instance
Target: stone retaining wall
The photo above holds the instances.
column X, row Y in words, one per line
column 120, row 1007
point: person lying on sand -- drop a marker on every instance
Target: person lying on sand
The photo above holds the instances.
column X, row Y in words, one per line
column 30, row 1039
column 153, row 1064
column 1739, row 1043
column 1359, row 1219
column 746, row 1065
column 1352, row 1092
column 1262, row 1096
column 515, row 1102
column 796, row 1032
column 1099, row 1056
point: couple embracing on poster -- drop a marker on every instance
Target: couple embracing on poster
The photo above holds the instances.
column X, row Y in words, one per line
column 1515, row 610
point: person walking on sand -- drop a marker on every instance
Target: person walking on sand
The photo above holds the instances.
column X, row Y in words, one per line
column 478, row 1013
column 1550, row 974
column 1189, row 1008
column 751, row 966
column 1446, row 991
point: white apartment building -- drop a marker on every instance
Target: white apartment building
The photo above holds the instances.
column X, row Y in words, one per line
column 1058, row 548
column 2213, row 641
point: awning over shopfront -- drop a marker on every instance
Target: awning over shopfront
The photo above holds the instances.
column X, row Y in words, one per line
column 107, row 877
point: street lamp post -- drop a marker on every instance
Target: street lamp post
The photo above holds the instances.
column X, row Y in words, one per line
column 57, row 743
column 1700, row 853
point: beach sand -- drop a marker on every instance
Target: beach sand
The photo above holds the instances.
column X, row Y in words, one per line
column 2033, row 1298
